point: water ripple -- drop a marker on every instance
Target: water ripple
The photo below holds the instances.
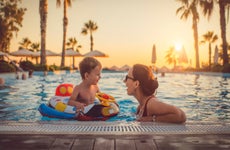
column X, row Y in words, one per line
column 203, row 96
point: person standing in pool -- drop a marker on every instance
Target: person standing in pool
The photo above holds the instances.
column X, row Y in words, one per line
column 2, row 82
column 84, row 93
column 142, row 84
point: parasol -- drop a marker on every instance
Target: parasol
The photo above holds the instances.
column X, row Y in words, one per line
column 48, row 53
column 22, row 53
column 72, row 53
column 154, row 56
column 216, row 55
column 95, row 53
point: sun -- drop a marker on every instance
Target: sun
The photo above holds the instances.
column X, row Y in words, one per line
column 178, row 46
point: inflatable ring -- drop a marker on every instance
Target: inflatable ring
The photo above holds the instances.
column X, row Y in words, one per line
column 60, row 103
column 64, row 89
column 58, row 106
column 105, row 99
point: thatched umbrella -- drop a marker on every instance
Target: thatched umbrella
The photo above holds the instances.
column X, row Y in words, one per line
column 72, row 53
column 95, row 53
column 48, row 53
column 23, row 53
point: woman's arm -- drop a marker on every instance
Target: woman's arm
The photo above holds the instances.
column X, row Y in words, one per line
column 165, row 113
column 178, row 117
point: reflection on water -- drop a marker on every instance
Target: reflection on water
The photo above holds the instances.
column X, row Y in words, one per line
column 202, row 96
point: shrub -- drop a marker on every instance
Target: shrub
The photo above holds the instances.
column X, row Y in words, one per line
column 217, row 68
column 27, row 65
column 53, row 68
column 226, row 68
column 41, row 67
column 6, row 67
column 65, row 68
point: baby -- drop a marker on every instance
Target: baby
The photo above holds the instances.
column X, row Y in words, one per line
column 84, row 93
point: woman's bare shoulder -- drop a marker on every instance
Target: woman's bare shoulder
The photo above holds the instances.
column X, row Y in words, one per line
column 157, row 106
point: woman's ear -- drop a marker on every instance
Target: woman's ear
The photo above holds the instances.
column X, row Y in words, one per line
column 137, row 83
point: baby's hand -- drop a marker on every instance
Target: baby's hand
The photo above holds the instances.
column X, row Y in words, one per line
column 80, row 106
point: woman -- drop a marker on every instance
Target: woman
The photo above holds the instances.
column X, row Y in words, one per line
column 142, row 85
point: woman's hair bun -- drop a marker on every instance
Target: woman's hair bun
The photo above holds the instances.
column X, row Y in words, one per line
column 144, row 75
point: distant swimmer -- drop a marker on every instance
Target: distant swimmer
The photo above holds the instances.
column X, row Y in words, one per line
column 2, row 81
column 2, row 84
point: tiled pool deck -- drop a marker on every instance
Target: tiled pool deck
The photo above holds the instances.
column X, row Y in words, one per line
column 114, row 135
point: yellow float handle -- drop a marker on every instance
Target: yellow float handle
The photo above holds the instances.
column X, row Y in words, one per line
column 104, row 100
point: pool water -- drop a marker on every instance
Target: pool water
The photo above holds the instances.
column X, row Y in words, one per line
column 203, row 96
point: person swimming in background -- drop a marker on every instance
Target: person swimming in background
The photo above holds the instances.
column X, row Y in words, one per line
column 30, row 73
column 84, row 93
column 17, row 75
column 24, row 76
column 2, row 84
column 142, row 84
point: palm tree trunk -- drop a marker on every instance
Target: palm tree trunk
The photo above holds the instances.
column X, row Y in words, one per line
column 195, row 34
column 65, row 23
column 223, row 31
column 174, row 63
column 43, row 10
column 209, row 54
column 91, row 41
column 73, row 62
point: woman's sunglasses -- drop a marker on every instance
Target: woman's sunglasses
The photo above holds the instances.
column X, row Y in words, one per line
column 127, row 77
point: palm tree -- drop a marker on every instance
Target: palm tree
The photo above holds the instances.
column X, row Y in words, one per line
column 11, row 17
column 35, row 48
column 78, row 48
column 220, row 52
column 190, row 8
column 43, row 11
column 90, row 27
column 222, row 4
column 171, row 57
column 72, row 42
column 25, row 43
column 67, row 3
column 209, row 37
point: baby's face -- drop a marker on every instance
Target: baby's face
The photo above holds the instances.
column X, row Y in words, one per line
column 95, row 75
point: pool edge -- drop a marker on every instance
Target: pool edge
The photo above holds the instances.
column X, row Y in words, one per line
column 111, row 128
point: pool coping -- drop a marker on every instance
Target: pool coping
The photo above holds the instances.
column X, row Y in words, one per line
column 112, row 128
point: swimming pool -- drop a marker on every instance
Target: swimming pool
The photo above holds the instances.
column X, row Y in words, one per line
column 203, row 96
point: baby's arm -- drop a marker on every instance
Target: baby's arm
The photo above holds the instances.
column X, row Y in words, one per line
column 73, row 102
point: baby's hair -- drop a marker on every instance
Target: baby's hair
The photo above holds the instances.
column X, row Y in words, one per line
column 87, row 65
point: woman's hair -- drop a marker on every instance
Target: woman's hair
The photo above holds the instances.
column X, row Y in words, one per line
column 144, row 74
column 87, row 65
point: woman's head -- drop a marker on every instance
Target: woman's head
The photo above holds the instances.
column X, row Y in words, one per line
column 144, row 78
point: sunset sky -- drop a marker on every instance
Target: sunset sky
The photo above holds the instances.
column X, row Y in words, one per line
column 127, row 29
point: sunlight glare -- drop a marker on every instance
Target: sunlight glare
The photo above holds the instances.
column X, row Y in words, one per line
column 178, row 46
